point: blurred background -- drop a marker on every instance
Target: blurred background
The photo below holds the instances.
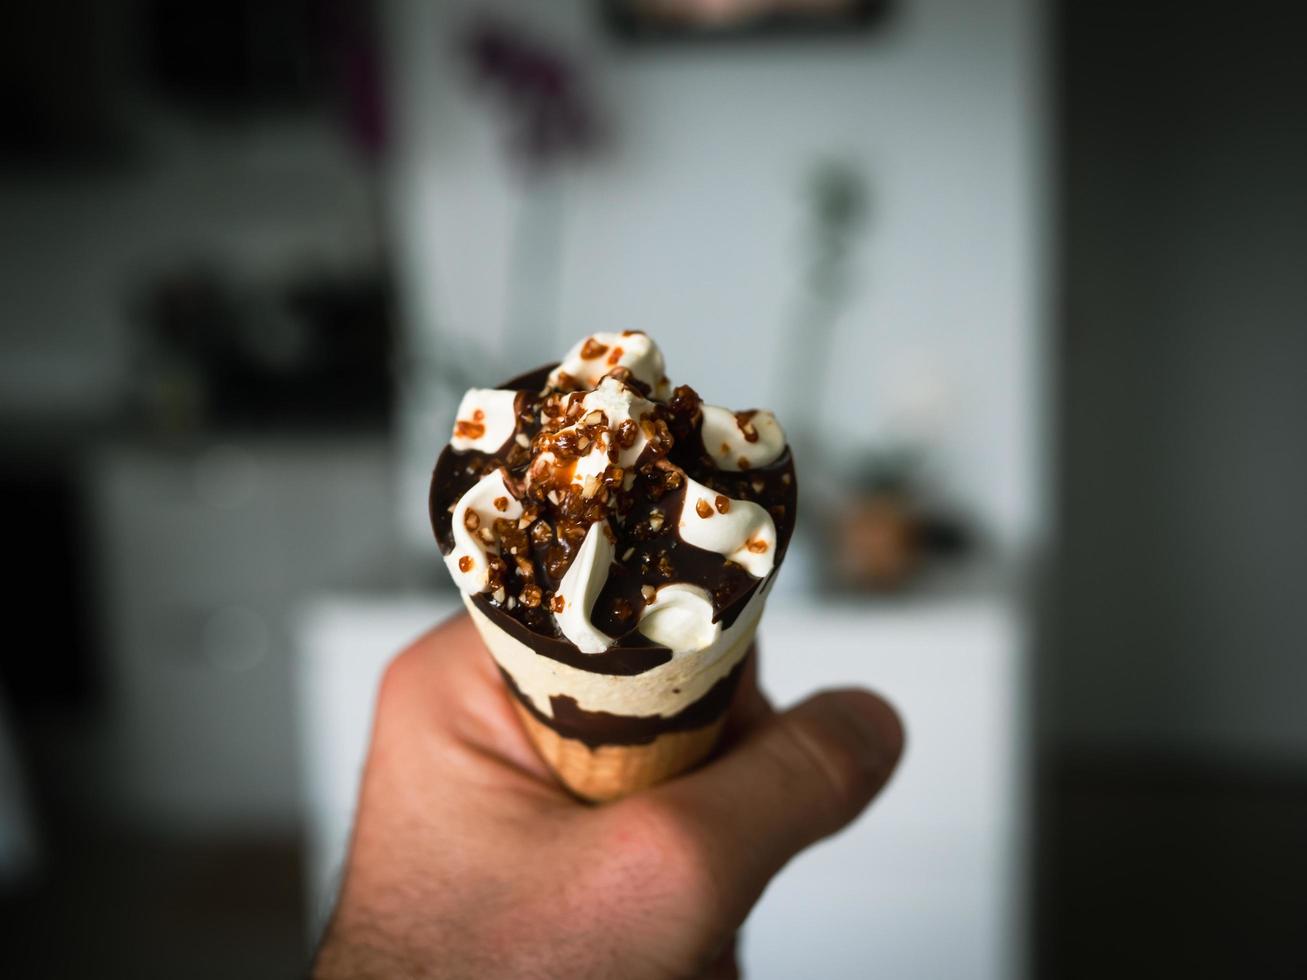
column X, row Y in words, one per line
column 1023, row 280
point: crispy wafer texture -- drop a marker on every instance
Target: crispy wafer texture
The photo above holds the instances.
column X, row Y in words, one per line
column 609, row 772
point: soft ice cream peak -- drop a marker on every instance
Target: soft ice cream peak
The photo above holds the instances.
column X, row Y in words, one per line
column 604, row 511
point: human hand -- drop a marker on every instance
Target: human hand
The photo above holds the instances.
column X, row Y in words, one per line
column 469, row 860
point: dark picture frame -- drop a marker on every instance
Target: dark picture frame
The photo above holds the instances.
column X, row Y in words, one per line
column 655, row 21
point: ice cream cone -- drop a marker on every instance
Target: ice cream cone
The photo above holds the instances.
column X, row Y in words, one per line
column 614, row 539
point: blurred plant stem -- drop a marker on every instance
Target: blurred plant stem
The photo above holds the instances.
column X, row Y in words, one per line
column 837, row 211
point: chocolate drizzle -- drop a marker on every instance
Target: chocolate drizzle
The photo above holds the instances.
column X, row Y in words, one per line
column 631, row 654
column 648, row 550
column 596, row 728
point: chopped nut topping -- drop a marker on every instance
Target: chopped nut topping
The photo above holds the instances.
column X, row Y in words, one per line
column 786, row 479
column 471, row 519
column 498, row 595
column 595, row 417
column 684, row 401
column 723, row 503
column 566, row 444
column 542, row 533
column 744, row 420
column 660, row 437
column 592, row 349
column 532, row 596
column 665, row 568
column 465, row 564
column 525, row 568
column 656, row 518
column 487, row 535
column 464, row 429
column 626, row 433
column 501, row 503
column 621, row 608
column 757, row 485
column 703, row 508
column 626, row 555
column 522, row 440
column 649, row 594
column 558, row 603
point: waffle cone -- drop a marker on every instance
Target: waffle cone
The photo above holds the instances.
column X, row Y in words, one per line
column 608, row 772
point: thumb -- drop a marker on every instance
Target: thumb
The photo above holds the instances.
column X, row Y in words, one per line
column 798, row 777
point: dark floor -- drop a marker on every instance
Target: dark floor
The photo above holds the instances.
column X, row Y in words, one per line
column 122, row 905
column 111, row 899
column 1171, row 870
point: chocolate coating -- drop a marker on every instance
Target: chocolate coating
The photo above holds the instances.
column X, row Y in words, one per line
column 596, row 728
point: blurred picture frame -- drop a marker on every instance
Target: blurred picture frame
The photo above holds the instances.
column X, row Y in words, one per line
column 651, row 21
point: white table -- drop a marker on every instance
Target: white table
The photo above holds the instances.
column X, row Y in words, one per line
column 927, row 884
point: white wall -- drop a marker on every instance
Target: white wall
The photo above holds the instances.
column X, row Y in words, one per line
column 692, row 227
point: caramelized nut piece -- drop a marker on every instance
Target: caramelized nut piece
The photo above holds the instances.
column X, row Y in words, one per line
column 703, row 509
column 558, row 603
column 471, row 519
column 592, row 349
column 532, row 596
column 501, row 503
column 744, row 420
column 723, row 503
column 626, row 433
column 649, row 594
column 465, row 564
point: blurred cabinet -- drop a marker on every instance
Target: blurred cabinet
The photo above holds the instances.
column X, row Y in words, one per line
column 200, row 553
